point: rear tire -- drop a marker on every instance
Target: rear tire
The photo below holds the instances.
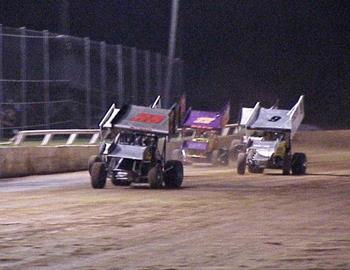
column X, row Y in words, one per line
column 155, row 177
column 92, row 160
column 98, row 175
column 299, row 163
column 174, row 173
column 241, row 163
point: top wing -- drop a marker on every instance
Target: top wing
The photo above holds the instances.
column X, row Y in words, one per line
column 274, row 119
column 203, row 120
column 146, row 119
column 207, row 120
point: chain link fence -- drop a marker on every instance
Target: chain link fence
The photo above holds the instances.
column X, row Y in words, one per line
column 49, row 80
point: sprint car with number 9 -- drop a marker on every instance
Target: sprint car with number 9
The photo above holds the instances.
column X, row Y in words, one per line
column 269, row 134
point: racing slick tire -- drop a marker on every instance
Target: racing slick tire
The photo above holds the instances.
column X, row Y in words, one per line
column 92, row 160
column 98, row 175
column 155, row 177
column 174, row 173
column 236, row 147
column 241, row 163
column 255, row 169
column 286, row 165
column 299, row 162
column 224, row 157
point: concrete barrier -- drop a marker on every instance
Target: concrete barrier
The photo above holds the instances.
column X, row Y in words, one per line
column 22, row 161
column 18, row 161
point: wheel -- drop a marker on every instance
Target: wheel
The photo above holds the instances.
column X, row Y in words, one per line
column 224, row 157
column 299, row 163
column 92, row 160
column 215, row 158
column 235, row 151
column 98, row 175
column 235, row 148
column 286, row 165
column 155, row 177
column 117, row 182
column 255, row 169
column 241, row 163
column 174, row 173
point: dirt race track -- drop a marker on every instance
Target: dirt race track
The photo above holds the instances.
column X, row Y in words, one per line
column 218, row 220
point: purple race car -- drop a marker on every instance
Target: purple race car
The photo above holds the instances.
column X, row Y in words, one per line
column 203, row 146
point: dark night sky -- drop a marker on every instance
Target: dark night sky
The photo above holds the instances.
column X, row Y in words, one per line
column 244, row 51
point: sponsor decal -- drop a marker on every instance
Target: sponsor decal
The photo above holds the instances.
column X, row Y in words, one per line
column 204, row 120
column 148, row 118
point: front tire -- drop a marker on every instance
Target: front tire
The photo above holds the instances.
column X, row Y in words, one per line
column 241, row 163
column 299, row 163
column 98, row 175
column 174, row 173
column 155, row 177
column 236, row 147
column 92, row 160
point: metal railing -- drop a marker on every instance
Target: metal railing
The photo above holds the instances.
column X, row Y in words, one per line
column 49, row 135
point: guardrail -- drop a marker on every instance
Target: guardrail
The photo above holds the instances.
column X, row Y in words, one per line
column 74, row 133
column 52, row 158
column 50, row 133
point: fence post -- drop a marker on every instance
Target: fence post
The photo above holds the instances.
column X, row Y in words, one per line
column 168, row 80
column 159, row 73
column 1, row 78
column 147, row 77
column 46, row 62
column 134, row 76
column 171, row 51
column 120, row 75
column 103, row 76
column 23, row 77
column 87, row 82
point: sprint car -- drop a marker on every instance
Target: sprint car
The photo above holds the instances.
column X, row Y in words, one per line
column 269, row 140
column 203, row 146
column 134, row 146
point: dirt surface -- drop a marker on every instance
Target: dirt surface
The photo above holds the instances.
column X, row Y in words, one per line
column 218, row 220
